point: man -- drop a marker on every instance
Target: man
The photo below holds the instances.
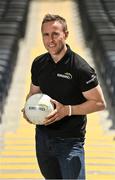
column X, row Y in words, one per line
column 73, row 86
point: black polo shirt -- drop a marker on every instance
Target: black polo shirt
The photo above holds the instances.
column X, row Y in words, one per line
column 65, row 81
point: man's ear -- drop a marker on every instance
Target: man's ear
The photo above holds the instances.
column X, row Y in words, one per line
column 66, row 34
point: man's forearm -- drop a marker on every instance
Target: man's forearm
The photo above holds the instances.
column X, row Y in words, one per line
column 87, row 107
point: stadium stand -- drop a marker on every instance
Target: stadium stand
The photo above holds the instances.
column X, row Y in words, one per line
column 98, row 22
column 17, row 137
column 13, row 19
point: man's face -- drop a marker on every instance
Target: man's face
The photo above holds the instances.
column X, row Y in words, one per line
column 54, row 37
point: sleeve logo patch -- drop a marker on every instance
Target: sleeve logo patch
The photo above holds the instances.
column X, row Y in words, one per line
column 93, row 77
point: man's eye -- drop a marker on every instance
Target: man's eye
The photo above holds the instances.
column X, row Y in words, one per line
column 45, row 34
column 55, row 34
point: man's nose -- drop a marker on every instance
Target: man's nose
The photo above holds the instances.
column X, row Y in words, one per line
column 51, row 38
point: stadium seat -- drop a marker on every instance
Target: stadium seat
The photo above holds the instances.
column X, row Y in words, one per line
column 13, row 19
column 98, row 21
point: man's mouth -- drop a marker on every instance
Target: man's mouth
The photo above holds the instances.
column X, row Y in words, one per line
column 52, row 45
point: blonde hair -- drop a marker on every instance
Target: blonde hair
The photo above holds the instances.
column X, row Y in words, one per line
column 53, row 17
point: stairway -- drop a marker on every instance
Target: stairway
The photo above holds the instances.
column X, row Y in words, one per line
column 17, row 148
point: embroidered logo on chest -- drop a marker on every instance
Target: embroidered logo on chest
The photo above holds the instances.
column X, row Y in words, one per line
column 66, row 75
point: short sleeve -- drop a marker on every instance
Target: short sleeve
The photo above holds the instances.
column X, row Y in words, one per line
column 34, row 73
column 87, row 78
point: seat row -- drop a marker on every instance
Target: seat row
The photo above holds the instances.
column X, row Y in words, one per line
column 13, row 20
column 98, row 21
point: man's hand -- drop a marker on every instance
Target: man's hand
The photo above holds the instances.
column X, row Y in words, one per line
column 59, row 112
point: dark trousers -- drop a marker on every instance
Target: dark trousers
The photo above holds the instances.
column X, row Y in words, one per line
column 60, row 158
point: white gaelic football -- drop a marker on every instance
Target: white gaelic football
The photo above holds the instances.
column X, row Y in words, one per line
column 37, row 107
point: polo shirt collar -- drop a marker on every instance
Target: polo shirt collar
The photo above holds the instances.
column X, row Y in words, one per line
column 64, row 58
